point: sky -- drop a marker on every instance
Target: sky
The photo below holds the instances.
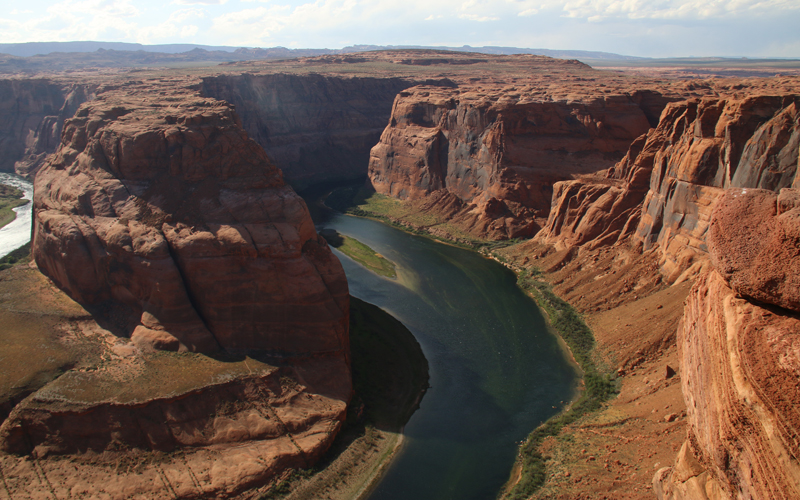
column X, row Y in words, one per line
column 657, row 28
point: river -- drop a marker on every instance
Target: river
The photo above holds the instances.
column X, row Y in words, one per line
column 495, row 370
column 17, row 232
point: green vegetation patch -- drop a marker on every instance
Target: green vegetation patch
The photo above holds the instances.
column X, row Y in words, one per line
column 20, row 255
column 599, row 387
column 10, row 198
column 360, row 253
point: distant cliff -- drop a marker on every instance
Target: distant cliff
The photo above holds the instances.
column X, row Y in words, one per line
column 32, row 113
column 496, row 152
column 315, row 128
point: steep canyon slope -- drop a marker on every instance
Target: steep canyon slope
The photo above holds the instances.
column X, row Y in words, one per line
column 494, row 152
column 660, row 196
column 316, row 128
column 738, row 348
column 176, row 231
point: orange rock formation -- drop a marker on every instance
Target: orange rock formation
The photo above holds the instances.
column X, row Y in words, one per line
column 177, row 228
column 740, row 358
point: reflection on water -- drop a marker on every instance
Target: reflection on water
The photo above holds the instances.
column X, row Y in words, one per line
column 18, row 232
column 495, row 371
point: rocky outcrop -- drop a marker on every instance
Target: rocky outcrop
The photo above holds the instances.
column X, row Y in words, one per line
column 501, row 150
column 32, row 113
column 602, row 211
column 216, row 441
column 173, row 226
column 700, row 148
column 316, row 128
column 259, row 407
column 739, row 357
column 754, row 242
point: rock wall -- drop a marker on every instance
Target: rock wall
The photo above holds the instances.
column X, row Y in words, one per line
column 699, row 148
column 316, row 128
column 499, row 151
column 32, row 113
column 739, row 356
column 170, row 224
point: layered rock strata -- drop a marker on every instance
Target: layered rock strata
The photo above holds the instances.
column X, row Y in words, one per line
column 496, row 153
column 32, row 113
column 222, row 440
column 739, row 356
column 173, row 226
column 316, row 128
column 662, row 193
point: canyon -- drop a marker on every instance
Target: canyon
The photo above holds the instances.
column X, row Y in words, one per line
column 163, row 211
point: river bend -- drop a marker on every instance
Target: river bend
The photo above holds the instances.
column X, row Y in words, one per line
column 496, row 372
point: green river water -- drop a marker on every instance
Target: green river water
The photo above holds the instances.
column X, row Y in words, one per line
column 496, row 372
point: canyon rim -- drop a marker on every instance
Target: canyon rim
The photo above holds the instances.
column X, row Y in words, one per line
column 663, row 208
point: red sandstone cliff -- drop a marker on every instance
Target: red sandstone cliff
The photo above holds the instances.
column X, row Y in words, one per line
column 316, row 128
column 662, row 193
column 171, row 226
column 739, row 356
column 490, row 153
column 177, row 229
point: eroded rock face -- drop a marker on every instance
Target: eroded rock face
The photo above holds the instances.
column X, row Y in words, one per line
column 499, row 150
column 740, row 356
column 600, row 212
column 173, row 226
column 32, row 113
column 754, row 242
column 739, row 365
column 715, row 144
column 700, row 148
column 316, row 128
column 217, row 441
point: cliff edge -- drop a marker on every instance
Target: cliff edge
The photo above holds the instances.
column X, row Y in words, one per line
column 738, row 350
column 217, row 354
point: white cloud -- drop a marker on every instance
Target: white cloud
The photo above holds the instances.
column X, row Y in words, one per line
column 672, row 9
column 480, row 19
column 189, row 31
column 528, row 12
column 200, row 2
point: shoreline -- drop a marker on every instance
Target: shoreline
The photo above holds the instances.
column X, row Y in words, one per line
column 580, row 398
column 372, row 435
column 554, row 424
